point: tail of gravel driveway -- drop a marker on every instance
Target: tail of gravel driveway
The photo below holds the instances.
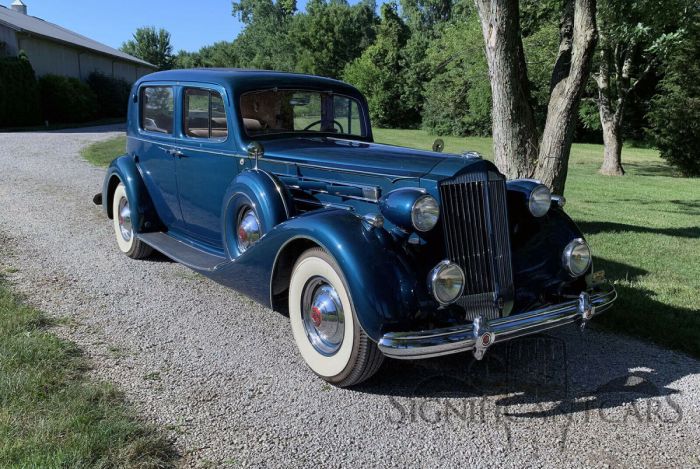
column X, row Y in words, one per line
column 221, row 373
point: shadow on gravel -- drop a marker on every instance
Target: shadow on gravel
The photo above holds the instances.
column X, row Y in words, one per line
column 120, row 127
column 539, row 377
column 559, row 373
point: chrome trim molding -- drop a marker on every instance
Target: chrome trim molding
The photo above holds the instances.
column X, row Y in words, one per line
column 482, row 333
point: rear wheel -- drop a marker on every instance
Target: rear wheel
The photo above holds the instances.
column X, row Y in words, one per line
column 324, row 324
column 123, row 229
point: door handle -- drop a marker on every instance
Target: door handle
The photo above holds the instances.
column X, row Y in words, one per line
column 174, row 152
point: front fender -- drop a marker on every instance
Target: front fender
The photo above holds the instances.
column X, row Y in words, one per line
column 381, row 285
column 143, row 213
column 538, row 244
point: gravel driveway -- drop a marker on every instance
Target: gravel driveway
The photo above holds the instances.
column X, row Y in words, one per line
column 221, row 374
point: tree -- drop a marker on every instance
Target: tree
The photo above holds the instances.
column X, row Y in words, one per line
column 631, row 35
column 458, row 94
column 331, row 34
column 378, row 71
column 518, row 149
column 152, row 46
column 220, row 54
column 675, row 112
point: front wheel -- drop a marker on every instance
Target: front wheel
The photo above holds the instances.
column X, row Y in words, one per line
column 123, row 229
column 324, row 323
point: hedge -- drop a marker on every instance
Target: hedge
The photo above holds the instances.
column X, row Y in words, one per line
column 112, row 94
column 66, row 100
column 19, row 94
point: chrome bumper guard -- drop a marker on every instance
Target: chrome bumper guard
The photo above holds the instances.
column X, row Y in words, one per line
column 481, row 334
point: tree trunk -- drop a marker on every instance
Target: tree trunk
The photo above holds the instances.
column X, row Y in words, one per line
column 612, row 139
column 516, row 146
column 578, row 35
column 515, row 139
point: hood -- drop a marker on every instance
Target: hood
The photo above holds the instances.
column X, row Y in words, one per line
column 386, row 160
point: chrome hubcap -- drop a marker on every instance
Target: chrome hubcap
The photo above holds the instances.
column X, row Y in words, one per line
column 124, row 217
column 323, row 316
column 248, row 229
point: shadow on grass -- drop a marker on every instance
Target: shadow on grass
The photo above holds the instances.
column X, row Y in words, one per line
column 651, row 169
column 559, row 373
column 597, row 227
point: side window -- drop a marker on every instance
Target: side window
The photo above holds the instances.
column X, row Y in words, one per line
column 347, row 112
column 157, row 109
column 205, row 114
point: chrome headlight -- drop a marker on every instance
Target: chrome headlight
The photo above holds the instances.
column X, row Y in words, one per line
column 539, row 201
column 446, row 282
column 577, row 257
column 425, row 213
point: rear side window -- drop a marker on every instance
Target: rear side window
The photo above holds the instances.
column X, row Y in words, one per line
column 157, row 109
column 205, row 114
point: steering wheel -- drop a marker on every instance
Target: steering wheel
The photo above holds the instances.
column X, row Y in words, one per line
column 335, row 123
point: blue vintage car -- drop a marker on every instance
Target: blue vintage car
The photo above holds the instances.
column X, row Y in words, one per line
column 270, row 183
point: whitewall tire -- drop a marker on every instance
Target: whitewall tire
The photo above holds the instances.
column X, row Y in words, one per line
column 324, row 324
column 123, row 229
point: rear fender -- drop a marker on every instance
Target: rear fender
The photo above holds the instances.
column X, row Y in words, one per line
column 123, row 169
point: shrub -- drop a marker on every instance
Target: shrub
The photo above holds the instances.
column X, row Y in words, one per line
column 66, row 100
column 112, row 94
column 675, row 111
column 19, row 94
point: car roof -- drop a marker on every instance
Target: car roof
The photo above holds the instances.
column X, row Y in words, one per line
column 248, row 79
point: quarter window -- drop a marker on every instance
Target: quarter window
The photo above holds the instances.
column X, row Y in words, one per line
column 205, row 114
column 157, row 109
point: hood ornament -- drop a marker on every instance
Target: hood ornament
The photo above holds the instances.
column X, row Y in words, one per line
column 472, row 155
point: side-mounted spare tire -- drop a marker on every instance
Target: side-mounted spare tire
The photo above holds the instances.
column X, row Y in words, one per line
column 257, row 201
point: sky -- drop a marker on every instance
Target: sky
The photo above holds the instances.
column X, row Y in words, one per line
column 192, row 24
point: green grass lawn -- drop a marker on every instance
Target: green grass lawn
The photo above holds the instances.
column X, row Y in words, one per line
column 644, row 229
column 102, row 153
column 51, row 415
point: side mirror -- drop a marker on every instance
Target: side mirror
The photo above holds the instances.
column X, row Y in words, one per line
column 438, row 145
column 255, row 150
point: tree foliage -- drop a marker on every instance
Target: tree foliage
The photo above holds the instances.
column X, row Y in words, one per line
column 675, row 111
column 458, row 95
column 151, row 45
column 377, row 73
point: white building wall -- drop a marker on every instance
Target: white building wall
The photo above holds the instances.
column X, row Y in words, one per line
column 9, row 39
column 48, row 57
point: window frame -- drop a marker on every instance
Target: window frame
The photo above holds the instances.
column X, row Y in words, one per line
column 142, row 102
column 183, row 104
column 362, row 111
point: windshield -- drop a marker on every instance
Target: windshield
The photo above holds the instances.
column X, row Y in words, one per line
column 271, row 112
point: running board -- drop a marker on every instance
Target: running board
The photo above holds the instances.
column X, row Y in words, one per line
column 181, row 252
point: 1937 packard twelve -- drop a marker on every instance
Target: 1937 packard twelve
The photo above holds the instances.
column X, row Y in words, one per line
column 270, row 183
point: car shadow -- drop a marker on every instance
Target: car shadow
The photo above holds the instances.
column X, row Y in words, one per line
column 565, row 371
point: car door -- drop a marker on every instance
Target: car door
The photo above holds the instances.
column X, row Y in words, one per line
column 154, row 149
column 207, row 162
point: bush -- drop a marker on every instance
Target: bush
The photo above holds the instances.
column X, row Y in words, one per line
column 112, row 95
column 66, row 100
column 19, row 94
column 675, row 111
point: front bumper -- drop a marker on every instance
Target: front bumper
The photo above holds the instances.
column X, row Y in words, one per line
column 481, row 334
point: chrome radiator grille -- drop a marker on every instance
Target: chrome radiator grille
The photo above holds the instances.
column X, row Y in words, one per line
column 475, row 222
